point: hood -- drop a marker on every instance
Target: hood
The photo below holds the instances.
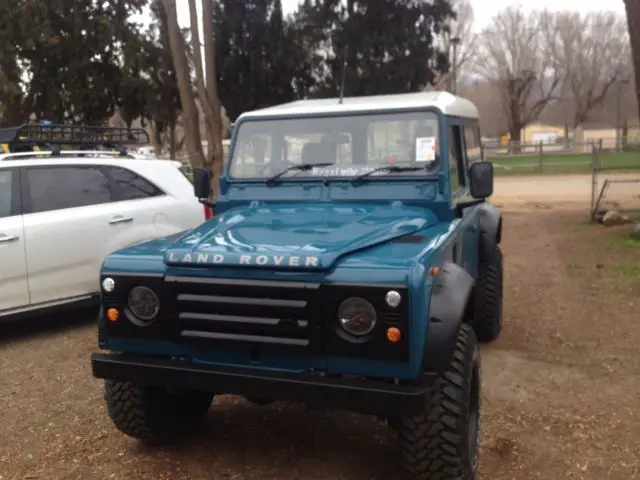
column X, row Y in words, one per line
column 294, row 236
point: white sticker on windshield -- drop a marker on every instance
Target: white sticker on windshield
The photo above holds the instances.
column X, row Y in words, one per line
column 425, row 149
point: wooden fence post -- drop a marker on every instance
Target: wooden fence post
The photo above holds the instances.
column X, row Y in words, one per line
column 540, row 160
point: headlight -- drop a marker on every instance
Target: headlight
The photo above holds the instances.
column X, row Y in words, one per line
column 143, row 304
column 108, row 285
column 357, row 316
column 393, row 298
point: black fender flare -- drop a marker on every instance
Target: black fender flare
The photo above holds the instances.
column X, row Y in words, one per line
column 448, row 306
column 489, row 231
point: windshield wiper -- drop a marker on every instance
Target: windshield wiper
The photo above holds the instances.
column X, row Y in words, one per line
column 301, row 167
column 388, row 168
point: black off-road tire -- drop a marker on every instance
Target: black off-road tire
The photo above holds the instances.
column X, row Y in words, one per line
column 153, row 415
column 487, row 303
column 443, row 443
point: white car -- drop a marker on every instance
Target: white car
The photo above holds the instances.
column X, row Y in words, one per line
column 61, row 215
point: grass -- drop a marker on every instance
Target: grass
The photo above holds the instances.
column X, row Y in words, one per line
column 629, row 269
column 623, row 239
column 564, row 163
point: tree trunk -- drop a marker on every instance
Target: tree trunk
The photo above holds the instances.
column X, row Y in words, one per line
column 633, row 23
column 173, row 142
column 156, row 140
column 206, row 86
column 191, row 123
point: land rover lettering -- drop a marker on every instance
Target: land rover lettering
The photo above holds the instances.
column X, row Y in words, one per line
column 297, row 261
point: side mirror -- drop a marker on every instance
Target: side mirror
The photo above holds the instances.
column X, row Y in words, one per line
column 481, row 180
column 201, row 183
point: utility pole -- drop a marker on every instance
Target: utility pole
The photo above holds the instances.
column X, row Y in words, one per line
column 621, row 82
column 455, row 41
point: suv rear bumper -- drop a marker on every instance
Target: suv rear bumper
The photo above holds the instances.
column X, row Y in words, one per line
column 370, row 397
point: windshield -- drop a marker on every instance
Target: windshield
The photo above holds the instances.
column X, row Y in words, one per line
column 352, row 144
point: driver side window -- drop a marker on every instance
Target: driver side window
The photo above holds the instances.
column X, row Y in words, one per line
column 457, row 170
column 252, row 154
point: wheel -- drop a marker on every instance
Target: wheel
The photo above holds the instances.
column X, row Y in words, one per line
column 487, row 304
column 153, row 415
column 443, row 443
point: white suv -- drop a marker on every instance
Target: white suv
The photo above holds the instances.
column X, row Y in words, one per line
column 61, row 214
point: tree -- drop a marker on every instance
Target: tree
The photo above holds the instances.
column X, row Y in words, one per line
column 590, row 52
column 255, row 55
column 206, row 87
column 162, row 96
column 11, row 92
column 72, row 51
column 633, row 25
column 461, row 34
column 388, row 45
column 515, row 56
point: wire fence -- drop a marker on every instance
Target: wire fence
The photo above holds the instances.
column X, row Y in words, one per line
column 563, row 158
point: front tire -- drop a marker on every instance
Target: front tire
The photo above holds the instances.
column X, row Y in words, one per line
column 443, row 442
column 152, row 414
column 487, row 304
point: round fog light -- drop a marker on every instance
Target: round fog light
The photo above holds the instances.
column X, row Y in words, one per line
column 393, row 298
column 144, row 304
column 108, row 284
column 357, row 316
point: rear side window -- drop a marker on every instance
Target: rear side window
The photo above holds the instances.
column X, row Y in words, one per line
column 57, row 188
column 128, row 185
column 6, row 184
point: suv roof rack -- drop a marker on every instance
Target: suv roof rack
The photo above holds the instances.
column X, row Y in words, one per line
column 80, row 136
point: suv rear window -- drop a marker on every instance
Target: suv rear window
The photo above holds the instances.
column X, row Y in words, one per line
column 128, row 185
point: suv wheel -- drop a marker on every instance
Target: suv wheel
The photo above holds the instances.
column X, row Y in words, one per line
column 487, row 314
column 443, row 442
column 154, row 415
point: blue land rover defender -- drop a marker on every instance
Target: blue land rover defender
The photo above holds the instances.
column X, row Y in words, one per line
column 352, row 263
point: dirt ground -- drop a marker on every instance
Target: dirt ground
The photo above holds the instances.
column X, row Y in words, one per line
column 560, row 386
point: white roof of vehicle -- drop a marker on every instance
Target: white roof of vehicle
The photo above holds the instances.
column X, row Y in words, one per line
column 447, row 103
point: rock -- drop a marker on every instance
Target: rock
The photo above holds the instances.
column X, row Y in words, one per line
column 636, row 232
column 612, row 218
column 604, row 207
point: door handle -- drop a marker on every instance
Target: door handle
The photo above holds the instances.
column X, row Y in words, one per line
column 120, row 219
column 7, row 239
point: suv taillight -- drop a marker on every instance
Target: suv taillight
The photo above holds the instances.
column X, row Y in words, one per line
column 208, row 212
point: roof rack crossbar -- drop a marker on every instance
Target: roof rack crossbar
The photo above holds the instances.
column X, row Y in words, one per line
column 50, row 153
column 77, row 135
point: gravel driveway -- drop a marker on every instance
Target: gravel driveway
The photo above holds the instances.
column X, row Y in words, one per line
column 560, row 394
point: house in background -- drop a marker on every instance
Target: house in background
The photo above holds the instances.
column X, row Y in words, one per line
column 594, row 132
column 537, row 132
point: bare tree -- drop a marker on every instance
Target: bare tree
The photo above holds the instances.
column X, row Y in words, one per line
column 633, row 27
column 462, row 36
column 590, row 52
column 514, row 55
column 205, row 87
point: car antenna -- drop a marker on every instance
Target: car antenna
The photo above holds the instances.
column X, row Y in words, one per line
column 344, row 72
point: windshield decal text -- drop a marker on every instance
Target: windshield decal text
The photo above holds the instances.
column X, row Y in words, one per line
column 344, row 171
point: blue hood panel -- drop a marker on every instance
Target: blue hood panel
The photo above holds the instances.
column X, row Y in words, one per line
column 294, row 236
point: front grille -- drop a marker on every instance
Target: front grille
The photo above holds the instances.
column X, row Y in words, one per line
column 247, row 311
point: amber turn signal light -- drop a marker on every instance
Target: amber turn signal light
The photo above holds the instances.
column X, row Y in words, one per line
column 113, row 314
column 435, row 271
column 393, row 334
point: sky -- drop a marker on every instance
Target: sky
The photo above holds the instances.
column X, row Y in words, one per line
column 483, row 9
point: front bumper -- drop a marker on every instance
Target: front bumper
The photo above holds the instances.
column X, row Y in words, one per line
column 370, row 397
